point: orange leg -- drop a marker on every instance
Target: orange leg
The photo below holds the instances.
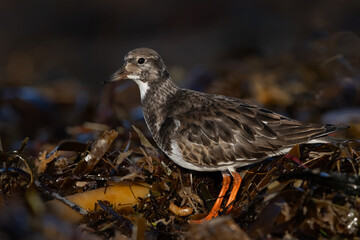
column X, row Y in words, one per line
column 234, row 190
column 215, row 209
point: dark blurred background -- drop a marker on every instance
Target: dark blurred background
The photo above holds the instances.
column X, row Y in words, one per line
column 298, row 58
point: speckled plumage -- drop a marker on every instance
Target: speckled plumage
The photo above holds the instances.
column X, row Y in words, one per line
column 207, row 132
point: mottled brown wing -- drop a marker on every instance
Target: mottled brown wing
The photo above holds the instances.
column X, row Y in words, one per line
column 229, row 131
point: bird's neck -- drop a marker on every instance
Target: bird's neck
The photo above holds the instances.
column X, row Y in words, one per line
column 155, row 97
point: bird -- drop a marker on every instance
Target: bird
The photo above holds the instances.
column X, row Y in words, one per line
column 208, row 132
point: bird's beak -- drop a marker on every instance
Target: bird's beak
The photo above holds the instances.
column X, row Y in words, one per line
column 118, row 75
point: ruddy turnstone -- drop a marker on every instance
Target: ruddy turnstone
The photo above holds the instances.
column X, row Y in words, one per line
column 206, row 132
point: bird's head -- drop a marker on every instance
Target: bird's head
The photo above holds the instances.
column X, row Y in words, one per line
column 142, row 65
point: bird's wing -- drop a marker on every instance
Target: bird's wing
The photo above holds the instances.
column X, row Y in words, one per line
column 228, row 131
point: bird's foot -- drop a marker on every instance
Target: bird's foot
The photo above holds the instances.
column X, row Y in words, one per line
column 213, row 213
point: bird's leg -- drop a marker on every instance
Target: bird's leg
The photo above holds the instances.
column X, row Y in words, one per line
column 215, row 209
column 234, row 190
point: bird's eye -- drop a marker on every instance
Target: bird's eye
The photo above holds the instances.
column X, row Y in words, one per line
column 141, row 60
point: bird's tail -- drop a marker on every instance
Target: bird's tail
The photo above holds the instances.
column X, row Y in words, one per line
column 324, row 136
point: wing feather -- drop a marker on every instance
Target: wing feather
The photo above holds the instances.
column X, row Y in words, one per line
column 221, row 130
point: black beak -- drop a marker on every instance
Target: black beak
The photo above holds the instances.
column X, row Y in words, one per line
column 107, row 80
column 118, row 75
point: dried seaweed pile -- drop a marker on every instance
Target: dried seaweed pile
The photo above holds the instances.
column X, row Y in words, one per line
column 137, row 191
